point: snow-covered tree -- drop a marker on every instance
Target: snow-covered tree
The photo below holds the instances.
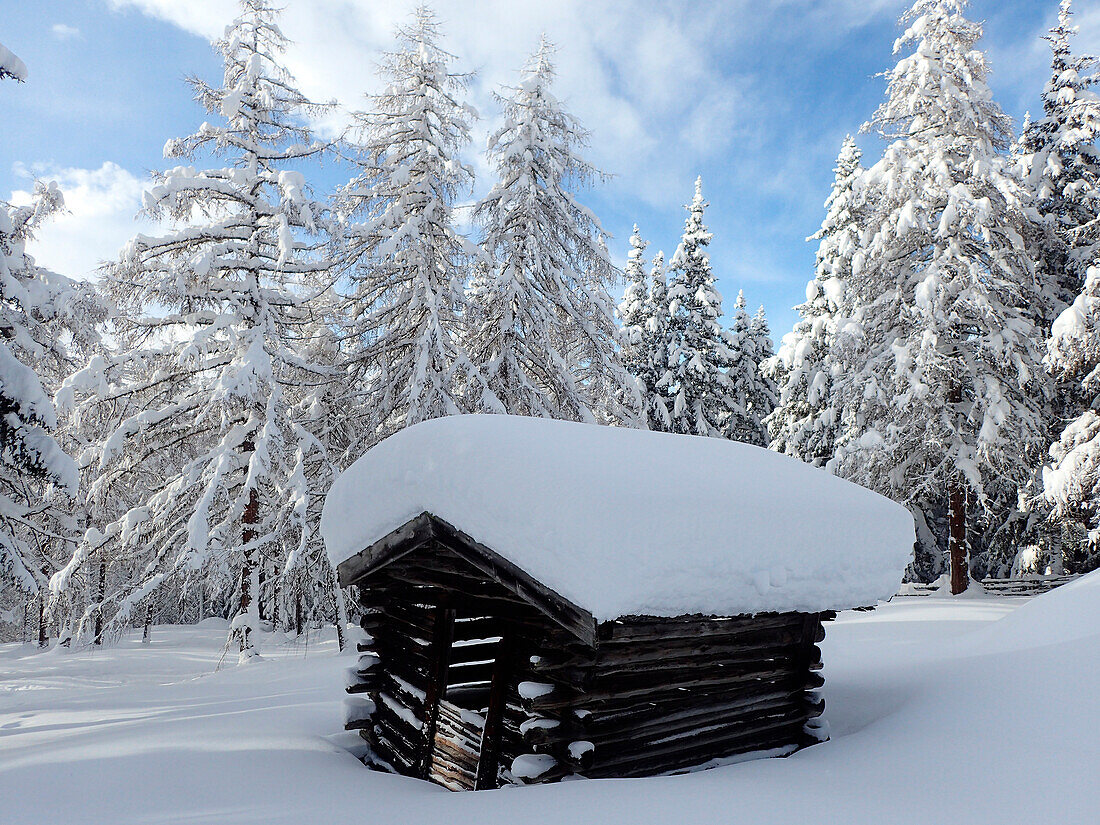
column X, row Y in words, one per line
column 1071, row 484
column 942, row 395
column 632, row 307
column 700, row 354
column 657, row 330
column 33, row 466
column 1061, row 165
column 750, row 345
column 546, row 338
column 804, row 423
column 407, row 262
column 216, row 318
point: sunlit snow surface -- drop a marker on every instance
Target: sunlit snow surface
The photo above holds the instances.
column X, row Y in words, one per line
column 625, row 521
column 926, row 729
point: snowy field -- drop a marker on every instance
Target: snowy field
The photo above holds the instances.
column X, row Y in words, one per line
column 942, row 711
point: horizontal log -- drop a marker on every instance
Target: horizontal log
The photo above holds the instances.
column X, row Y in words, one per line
column 396, row 755
column 630, row 631
column 625, row 726
column 612, row 719
column 628, row 694
column 699, row 749
column 687, row 760
column 661, row 731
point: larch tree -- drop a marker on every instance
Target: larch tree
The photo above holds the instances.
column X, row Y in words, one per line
column 546, row 337
column 216, row 317
column 700, row 354
column 804, row 423
column 33, row 466
column 943, row 396
column 406, row 262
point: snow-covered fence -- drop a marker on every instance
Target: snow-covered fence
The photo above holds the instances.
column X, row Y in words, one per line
column 1023, row 586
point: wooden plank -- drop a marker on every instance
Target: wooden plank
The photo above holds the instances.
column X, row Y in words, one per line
column 408, row 537
column 440, row 650
column 488, row 766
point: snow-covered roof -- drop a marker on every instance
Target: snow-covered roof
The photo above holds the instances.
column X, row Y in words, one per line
column 628, row 522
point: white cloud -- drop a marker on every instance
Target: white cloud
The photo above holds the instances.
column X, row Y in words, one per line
column 100, row 204
column 65, row 32
column 647, row 78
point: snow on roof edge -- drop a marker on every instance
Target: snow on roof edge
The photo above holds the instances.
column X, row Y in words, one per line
column 628, row 522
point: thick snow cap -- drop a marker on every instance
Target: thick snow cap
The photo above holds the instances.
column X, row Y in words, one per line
column 628, row 522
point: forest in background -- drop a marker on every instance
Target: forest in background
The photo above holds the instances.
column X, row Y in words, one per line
column 170, row 430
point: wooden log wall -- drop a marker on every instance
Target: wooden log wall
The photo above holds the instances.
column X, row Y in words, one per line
column 660, row 695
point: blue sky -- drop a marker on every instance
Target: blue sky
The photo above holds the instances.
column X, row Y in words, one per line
column 755, row 96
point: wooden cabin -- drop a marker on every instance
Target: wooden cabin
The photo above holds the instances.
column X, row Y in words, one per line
column 537, row 617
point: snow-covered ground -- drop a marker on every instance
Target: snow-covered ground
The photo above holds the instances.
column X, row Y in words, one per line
column 927, row 728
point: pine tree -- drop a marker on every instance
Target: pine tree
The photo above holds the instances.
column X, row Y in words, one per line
column 216, row 314
column 408, row 263
column 941, row 398
column 804, row 423
column 546, row 335
column 700, row 349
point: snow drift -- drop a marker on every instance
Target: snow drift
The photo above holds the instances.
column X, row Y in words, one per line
column 630, row 522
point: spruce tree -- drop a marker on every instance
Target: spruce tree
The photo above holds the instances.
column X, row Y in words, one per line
column 546, row 334
column 406, row 261
column 632, row 307
column 804, row 423
column 754, row 392
column 942, row 395
column 1071, row 484
column 656, row 332
column 1062, row 168
column 700, row 355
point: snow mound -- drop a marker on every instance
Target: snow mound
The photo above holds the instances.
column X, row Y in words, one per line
column 1068, row 613
column 629, row 522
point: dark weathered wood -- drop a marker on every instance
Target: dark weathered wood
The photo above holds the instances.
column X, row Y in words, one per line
column 405, row 539
column 489, row 764
column 440, row 650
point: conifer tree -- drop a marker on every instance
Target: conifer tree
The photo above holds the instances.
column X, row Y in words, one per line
column 1071, row 484
column 700, row 354
column 754, row 392
column 942, row 396
column 632, row 308
column 1062, row 168
column 215, row 318
column 804, row 423
column 406, row 262
column 656, row 331
column 546, row 335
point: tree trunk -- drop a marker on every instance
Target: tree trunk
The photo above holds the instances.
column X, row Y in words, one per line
column 43, row 634
column 956, row 542
column 249, row 521
column 147, row 626
column 261, row 602
column 298, row 613
column 101, row 593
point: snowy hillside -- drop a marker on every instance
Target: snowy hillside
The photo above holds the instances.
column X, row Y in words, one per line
column 927, row 726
